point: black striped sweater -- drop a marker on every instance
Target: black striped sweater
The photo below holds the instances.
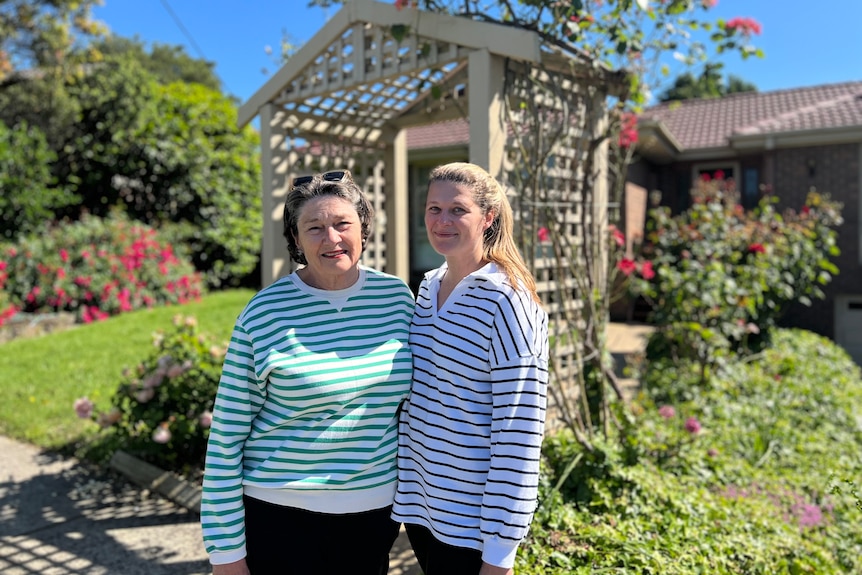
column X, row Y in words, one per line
column 471, row 434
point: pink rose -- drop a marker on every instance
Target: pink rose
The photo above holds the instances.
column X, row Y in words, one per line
column 83, row 407
column 206, row 419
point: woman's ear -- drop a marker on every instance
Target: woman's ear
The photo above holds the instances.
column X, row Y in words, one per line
column 489, row 219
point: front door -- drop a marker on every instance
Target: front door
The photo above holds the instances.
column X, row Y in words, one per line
column 422, row 255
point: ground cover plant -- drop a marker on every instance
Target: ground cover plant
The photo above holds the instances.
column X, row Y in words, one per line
column 740, row 475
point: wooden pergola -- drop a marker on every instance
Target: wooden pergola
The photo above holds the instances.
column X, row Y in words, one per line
column 537, row 119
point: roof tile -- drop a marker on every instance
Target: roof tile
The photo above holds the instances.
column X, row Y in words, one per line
column 709, row 123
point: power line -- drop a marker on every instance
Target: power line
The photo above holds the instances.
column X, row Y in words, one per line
column 190, row 38
column 183, row 29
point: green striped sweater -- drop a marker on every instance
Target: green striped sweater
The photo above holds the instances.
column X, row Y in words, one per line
column 305, row 414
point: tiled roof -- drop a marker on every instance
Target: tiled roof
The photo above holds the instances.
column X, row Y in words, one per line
column 709, row 123
column 438, row 135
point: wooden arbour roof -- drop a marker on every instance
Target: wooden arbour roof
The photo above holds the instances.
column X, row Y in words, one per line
column 372, row 67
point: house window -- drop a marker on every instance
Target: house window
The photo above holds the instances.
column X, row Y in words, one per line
column 722, row 171
column 716, row 173
column 750, row 187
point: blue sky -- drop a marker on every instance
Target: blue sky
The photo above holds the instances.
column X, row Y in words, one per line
column 805, row 42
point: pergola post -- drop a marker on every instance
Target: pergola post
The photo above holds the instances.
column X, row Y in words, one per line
column 600, row 195
column 397, row 207
column 274, row 256
column 487, row 124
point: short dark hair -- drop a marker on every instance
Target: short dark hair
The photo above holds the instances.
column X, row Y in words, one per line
column 338, row 183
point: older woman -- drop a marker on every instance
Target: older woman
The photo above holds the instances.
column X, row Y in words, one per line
column 300, row 470
column 471, row 433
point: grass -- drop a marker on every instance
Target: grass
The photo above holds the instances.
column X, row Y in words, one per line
column 42, row 377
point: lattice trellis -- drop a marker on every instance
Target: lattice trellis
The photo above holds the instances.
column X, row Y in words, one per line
column 367, row 78
column 554, row 125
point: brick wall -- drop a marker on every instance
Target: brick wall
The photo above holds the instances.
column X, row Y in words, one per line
column 834, row 170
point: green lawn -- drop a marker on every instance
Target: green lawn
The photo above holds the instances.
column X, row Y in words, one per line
column 42, row 377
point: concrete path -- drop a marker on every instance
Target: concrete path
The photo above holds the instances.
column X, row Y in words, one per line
column 61, row 517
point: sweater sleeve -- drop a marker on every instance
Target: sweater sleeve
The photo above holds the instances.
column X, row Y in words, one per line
column 239, row 398
column 519, row 375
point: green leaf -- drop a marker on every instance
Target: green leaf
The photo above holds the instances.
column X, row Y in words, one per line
column 399, row 31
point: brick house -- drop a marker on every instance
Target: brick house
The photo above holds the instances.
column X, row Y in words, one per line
column 785, row 141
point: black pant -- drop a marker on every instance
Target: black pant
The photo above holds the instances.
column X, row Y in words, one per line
column 286, row 541
column 438, row 558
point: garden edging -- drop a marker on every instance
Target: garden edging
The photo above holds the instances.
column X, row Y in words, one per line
column 163, row 482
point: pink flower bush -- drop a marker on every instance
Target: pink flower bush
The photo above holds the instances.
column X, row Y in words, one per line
column 7, row 310
column 97, row 268
column 162, row 408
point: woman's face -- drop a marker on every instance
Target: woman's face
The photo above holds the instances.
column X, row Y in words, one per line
column 455, row 223
column 329, row 233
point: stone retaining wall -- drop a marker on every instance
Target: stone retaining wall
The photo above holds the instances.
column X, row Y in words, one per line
column 23, row 325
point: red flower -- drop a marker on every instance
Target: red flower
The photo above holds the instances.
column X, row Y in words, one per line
column 705, row 177
column 646, row 271
column 627, row 266
column 745, row 26
column 756, row 249
column 544, row 234
column 64, row 255
column 718, row 174
column 617, row 235
column 806, row 210
column 628, row 130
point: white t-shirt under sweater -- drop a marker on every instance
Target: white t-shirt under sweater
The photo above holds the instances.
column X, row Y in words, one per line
column 306, row 410
column 471, row 431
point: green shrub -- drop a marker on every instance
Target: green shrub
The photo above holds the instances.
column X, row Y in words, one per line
column 204, row 174
column 170, row 156
column 162, row 409
column 98, row 267
column 27, row 192
column 742, row 475
column 724, row 276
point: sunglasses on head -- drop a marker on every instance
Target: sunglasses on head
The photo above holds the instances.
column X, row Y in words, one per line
column 333, row 176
